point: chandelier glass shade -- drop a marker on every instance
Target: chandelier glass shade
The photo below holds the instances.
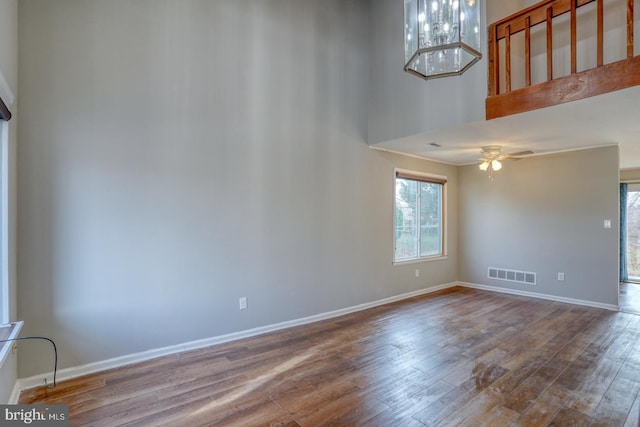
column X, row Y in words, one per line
column 441, row 37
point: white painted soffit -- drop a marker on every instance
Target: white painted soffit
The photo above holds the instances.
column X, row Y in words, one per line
column 605, row 120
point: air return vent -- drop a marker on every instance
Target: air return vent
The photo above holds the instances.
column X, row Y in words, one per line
column 517, row 276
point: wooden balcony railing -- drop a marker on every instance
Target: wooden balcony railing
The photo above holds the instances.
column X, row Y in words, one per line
column 602, row 78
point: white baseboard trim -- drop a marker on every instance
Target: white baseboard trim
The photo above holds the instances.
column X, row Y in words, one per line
column 78, row 371
column 15, row 394
column 541, row 296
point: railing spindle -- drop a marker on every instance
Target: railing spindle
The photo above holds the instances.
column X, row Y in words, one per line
column 527, row 50
column 496, row 60
column 507, row 58
column 629, row 28
column 549, row 44
column 574, row 50
column 600, row 54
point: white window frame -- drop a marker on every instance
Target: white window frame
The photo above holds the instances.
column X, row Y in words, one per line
column 4, row 222
column 427, row 176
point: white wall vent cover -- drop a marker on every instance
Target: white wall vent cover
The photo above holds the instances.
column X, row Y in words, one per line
column 525, row 277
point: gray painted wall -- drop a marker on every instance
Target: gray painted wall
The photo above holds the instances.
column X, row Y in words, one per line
column 176, row 155
column 544, row 214
column 9, row 68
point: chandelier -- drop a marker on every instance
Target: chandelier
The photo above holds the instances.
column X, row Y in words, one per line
column 441, row 37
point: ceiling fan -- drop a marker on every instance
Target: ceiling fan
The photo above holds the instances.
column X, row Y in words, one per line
column 493, row 155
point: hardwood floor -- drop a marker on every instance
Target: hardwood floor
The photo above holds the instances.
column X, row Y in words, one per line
column 455, row 357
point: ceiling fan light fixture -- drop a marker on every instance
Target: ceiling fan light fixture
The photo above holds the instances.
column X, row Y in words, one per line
column 484, row 165
column 496, row 165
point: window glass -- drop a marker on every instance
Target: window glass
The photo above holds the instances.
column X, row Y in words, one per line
column 430, row 219
column 418, row 217
column 633, row 232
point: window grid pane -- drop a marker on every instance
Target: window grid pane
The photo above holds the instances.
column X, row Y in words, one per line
column 430, row 216
column 406, row 219
column 633, row 234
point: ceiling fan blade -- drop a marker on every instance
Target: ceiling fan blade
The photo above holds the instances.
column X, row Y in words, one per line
column 519, row 153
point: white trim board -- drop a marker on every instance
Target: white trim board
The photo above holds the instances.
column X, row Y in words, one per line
column 539, row 295
column 5, row 91
column 8, row 346
column 15, row 394
column 77, row 371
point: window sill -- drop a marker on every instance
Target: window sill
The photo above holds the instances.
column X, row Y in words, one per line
column 419, row 260
column 7, row 332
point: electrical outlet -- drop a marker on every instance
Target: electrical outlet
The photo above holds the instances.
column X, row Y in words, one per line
column 417, row 272
column 560, row 277
column 242, row 303
column 607, row 223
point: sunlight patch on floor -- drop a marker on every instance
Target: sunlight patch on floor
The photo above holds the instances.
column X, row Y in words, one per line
column 256, row 383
